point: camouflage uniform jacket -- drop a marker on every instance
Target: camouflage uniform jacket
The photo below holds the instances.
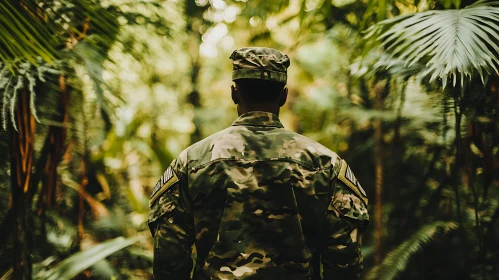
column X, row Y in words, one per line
column 259, row 202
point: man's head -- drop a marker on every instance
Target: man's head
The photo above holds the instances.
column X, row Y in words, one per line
column 260, row 76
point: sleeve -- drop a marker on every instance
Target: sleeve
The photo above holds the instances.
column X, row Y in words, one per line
column 346, row 219
column 171, row 225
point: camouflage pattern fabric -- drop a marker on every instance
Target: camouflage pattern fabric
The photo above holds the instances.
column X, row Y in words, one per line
column 259, row 202
column 259, row 63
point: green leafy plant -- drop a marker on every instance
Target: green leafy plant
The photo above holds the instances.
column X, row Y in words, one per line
column 396, row 261
column 452, row 43
column 23, row 35
column 75, row 264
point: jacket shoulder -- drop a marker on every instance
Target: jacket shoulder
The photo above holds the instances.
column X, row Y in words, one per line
column 257, row 144
column 306, row 150
column 200, row 151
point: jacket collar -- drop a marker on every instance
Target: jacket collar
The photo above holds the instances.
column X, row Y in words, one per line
column 257, row 118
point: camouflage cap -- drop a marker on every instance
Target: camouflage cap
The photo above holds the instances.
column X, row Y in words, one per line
column 259, row 63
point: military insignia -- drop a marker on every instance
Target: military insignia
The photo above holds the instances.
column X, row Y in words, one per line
column 167, row 180
column 346, row 176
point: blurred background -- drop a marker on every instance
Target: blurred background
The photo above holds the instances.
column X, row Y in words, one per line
column 98, row 97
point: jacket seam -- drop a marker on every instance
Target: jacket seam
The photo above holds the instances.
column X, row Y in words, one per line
column 258, row 125
column 307, row 165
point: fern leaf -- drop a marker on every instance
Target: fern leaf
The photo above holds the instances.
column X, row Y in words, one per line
column 5, row 104
column 3, row 76
column 13, row 101
column 31, row 88
column 397, row 260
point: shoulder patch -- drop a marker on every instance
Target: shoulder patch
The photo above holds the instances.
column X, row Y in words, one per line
column 167, row 180
column 346, row 176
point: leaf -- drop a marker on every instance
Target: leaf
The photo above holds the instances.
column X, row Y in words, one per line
column 377, row 61
column 23, row 35
column 61, row 234
column 397, row 260
column 8, row 274
column 75, row 264
column 451, row 44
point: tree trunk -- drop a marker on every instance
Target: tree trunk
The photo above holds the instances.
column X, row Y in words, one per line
column 379, row 88
column 459, row 155
column 53, row 150
column 81, row 206
column 22, row 149
column 194, row 97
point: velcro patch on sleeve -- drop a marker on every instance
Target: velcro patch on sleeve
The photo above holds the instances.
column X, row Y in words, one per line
column 167, row 180
column 346, row 176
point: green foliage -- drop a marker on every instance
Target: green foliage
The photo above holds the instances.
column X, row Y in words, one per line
column 452, row 43
column 75, row 264
column 397, row 260
column 11, row 84
column 24, row 36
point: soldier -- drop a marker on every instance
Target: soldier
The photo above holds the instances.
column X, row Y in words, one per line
column 257, row 200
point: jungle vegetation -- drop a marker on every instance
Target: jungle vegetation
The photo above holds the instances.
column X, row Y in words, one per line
column 98, row 97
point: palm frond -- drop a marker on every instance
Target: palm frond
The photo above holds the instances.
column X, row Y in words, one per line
column 396, row 261
column 452, row 43
column 102, row 32
column 377, row 61
column 24, row 36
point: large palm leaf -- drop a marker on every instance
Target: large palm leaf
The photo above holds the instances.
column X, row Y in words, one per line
column 452, row 43
column 23, row 33
column 78, row 262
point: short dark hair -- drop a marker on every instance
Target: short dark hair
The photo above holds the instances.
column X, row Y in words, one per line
column 255, row 90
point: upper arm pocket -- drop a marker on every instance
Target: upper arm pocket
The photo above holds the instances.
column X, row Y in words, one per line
column 165, row 196
column 348, row 204
column 165, row 204
column 349, row 199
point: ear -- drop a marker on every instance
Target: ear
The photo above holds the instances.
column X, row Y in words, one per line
column 284, row 97
column 235, row 95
